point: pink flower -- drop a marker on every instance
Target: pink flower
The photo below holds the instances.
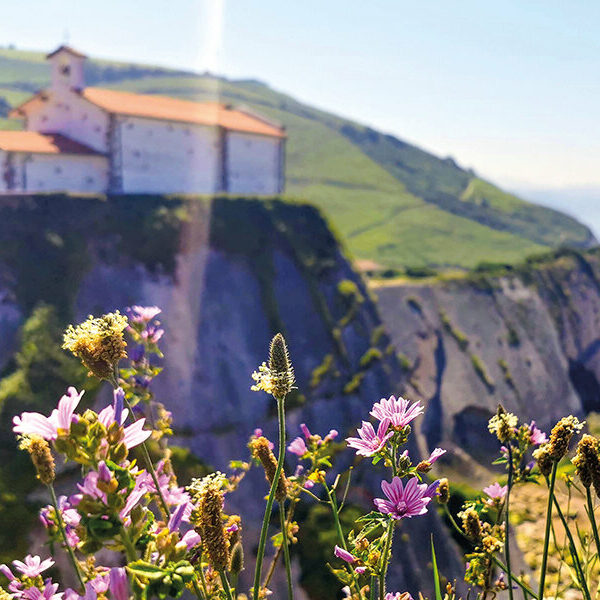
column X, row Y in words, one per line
column 369, row 442
column 331, row 435
column 7, row 572
column 400, row 412
column 31, row 423
column 398, row 596
column 33, row 565
column 142, row 314
column 360, row 570
column 536, row 437
column 496, row 491
column 48, row 593
column 403, row 501
column 298, row 447
column 305, row 430
column 191, row 539
column 432, row 489
column 89, row 487
column 135, row 434
column 435, row 455
column 119, row 586
column 177, row 517
column 344, row 555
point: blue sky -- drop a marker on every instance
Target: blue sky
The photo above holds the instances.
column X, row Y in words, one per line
column 510, row 88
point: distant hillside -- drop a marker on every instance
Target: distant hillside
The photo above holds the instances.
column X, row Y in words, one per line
column 393, row 202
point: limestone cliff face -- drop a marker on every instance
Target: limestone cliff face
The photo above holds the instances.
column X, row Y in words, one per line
column 228, row 274
column 527, row 337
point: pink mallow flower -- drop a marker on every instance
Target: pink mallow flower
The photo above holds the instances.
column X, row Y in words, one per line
column 403, row 501
column 437, row 453
column 133, row 434
column 119, row 584
column 400, row 412
column 142, row 314
column 369, row 442
column 536, row 436
column 398, row 596
column 48, row 593
column 298, row 447
column 33, row 565
column 31, row 423
column 344, row 555
column 496, row 491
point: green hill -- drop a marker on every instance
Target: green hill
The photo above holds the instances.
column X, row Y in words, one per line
column 392, row 202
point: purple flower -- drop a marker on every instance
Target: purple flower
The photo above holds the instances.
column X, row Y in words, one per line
column 33, row 565
column 331, row 435
column 369, row 442
column 7, row 572
column 435, row 455
column 118, row 400
column 432, row 489
column 298, row 447
column 496, row 491
column 360, row 570
column 305, row 430
column 344, row 555
column 89, row 487
column 191, row 539
column 104, row 473
column 142, row 314
column 398, row 596
column 403, row 501
column 31, row 423
column 400, row 412
column 536, row 437
column 119, row 586
column 135, row 434
column 152, row 334
column 137, row 353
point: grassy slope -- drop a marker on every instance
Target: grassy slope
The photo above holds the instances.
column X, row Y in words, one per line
column 394, row 203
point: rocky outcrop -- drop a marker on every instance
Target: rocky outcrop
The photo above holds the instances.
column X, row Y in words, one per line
column 228, row 273
column 528, row 337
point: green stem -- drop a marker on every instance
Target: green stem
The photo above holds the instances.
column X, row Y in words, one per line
column 197, row 589
column 592, row 517
column 265, row 525
column 497, row 562
column 225, row 585
column 202, row 579
column 63, row 533
column 573, row 551
column 507, row 521
column 372, row 587
column 385, row 559
column 130, row 550
column 286, row 550
column 547, row 532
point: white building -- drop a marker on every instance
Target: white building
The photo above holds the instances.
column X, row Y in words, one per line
column 87, row 139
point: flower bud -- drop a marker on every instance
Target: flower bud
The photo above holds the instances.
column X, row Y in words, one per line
column 443, row 491
column 236, row 565
column 472, row 524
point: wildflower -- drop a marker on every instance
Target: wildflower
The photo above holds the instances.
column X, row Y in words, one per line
column 33, row 565
column 191, row 539
column 98, row 343
column 305, row 431
column 133, row 434
column 398, row 596
column 261, row 451
column 586, row 461
column 344, row 555
column 213, row 535
column 443, row 491
column 278, row 378
column 369, row 442
column 177, row 516
column 432, row 489
column 399, row 411
column 472, row 524
column 119, row 586
column 59, row 421
column 48, row 593
column 561, row 435
column 41, row 457
column 360, row 570
column 496, row 491
column 142, row 314
column 425, row 465
column 503, row 424
column 333, row 433
column 298, row 447
column 152, row 334
column 403, row 501
column 536, row 436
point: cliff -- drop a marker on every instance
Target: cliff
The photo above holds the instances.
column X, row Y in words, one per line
column 228, row 274
column 527, row 337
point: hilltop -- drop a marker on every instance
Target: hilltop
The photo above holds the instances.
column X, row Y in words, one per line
column 393, row 203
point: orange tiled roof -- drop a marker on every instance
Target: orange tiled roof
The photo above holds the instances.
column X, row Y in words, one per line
column 174, row 109
column 43, row 143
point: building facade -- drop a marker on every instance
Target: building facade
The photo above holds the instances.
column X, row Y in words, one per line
column 93, row 140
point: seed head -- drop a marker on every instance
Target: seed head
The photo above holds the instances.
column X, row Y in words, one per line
column 41, row 457
column 443, row 491
column 278, row 378
column 472, row 524
column 503, row 424
column 260, row 450
column 98, row 343
column 561, row 436
column 544, row 459
column 213, row 534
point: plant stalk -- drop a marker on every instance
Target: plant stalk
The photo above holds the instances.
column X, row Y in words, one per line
column 592, row 517
column 385, row 559
column 547, row 532
column 507, row 521
column 63, row 533
column 225, row 585
column 265, row 525
column 286, row 550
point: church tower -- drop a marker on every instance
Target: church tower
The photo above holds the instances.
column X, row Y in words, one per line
column 67, row 69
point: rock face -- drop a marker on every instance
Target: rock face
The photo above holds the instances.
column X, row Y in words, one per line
column 228, row 273
column 528, row 338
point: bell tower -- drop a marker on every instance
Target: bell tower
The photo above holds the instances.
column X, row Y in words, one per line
column 66, row 69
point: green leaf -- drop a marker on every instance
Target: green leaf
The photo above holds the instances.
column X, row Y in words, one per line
column 372, row 516
column 436, row 575
column 145, row 569
column 341, row 574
